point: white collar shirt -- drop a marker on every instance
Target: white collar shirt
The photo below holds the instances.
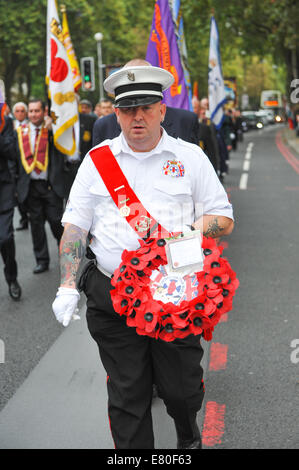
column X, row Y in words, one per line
column 17, row 123
column 43, row 175
column 174, row 201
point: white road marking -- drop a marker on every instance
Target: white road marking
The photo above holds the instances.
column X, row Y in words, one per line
column 246, row 166
column 243, row 181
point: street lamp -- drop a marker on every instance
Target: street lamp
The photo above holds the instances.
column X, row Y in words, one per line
column 99, row 37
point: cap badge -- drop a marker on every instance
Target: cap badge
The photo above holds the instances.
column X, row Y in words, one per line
column 131, row 76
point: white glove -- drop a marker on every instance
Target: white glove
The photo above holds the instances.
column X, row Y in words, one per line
column 65, row 305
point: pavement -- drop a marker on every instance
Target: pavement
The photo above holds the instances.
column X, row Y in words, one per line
column 291, row 139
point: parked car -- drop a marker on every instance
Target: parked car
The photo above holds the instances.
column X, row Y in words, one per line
column 263, row 116
column 252, row 120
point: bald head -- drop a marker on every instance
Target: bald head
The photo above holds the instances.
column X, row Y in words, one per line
column 204, row 103
column 196, row 105
column 137, row 62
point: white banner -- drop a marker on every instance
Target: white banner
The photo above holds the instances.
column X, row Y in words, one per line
column 216, row 83
column 64, row 107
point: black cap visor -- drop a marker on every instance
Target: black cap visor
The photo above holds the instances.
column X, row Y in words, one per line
column 136, row 101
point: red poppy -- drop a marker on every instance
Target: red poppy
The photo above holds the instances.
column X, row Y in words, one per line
column 132, row 297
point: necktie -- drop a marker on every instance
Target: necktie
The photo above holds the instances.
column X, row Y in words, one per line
column 35, row 144
column 36, row 138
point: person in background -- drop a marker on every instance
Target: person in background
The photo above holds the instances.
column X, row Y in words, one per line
column 40, row 180
column 222, row 147
column 97, row 110
column 238, row 124
column 85, row 107
column 20, row 118
column 207, row 136
column 20, row 114
column 7, row 204
column 106, row 107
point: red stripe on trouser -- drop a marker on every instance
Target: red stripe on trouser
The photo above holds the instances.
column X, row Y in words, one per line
column 213, row 428
column 218, row 356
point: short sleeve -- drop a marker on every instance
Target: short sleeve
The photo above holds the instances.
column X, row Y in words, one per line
column 79, row 209
column 210, row 196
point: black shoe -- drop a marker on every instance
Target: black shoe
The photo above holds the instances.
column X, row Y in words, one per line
column 14, row 290
column 22, row 226
column 193, row 444
column 40, row 268
column 195, row 440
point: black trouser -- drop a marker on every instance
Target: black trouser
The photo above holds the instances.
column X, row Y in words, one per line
column 133, row 363
column 43, row 205
column 7, row 246
column 23, row 213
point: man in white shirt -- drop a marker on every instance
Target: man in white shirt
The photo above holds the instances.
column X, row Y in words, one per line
column 173, row 180
column 19, row 111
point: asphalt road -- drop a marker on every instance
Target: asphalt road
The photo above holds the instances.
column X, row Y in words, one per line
column 252, row 384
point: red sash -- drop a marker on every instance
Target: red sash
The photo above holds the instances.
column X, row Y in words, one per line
column 131, row 294
column 36, row 159
column 129, row 205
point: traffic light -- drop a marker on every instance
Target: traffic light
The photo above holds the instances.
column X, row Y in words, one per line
column 87, row 72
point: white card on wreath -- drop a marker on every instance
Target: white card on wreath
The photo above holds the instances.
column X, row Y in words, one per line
column 186, row 252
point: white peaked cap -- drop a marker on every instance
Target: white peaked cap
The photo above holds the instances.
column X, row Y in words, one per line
column 138, row 85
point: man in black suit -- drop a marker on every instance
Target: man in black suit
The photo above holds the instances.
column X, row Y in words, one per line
column 84, row 143
column 7, row 204
column 207, row 136
column 40, row 182
column 177, row 123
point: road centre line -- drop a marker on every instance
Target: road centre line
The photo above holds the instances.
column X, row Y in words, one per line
column 246, row 165
column 243, row 181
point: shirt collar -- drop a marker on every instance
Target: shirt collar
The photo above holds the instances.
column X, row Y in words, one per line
column 120, row 145
column 35, row 127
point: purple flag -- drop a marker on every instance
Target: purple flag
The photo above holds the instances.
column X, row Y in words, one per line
column 163, row 51
column 2, row 105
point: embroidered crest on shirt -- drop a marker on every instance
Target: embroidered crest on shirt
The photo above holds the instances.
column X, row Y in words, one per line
column 173, row 168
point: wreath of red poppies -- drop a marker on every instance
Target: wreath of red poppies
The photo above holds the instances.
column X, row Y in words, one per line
column 131, row 294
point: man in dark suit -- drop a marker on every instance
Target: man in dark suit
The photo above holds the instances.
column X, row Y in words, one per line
column 85, row 127
column 177, row 123
column 40, row 182
column 207, row 135
column 7, row 204
column 19, row 111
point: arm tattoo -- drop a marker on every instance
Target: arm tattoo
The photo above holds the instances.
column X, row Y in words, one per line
column 72, row 249
column 214, row 230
